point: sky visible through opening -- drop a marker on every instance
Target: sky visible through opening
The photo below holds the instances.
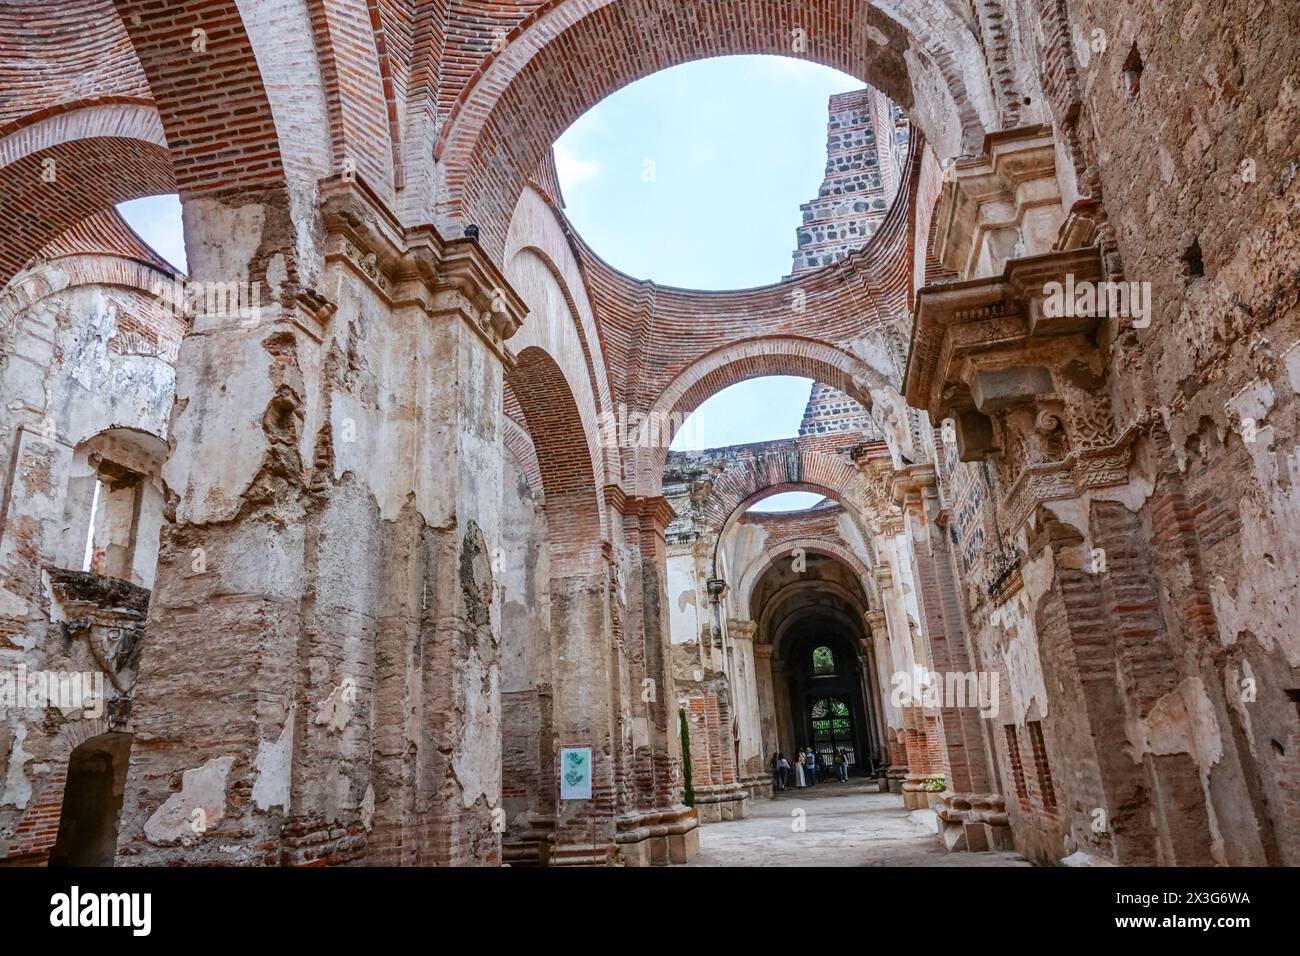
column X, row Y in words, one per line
column 691, row 177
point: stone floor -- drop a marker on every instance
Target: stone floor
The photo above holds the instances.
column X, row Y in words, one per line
column 847, row 824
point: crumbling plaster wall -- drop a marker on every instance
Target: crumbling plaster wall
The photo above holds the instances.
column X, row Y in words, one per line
column 344, row 681
column 527, row 691
column 79, row 366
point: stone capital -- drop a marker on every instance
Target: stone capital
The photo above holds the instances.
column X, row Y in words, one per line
column 877, row 467
column 1018, row 369
column 417, row 267
column 741, row 630
column 652, row 514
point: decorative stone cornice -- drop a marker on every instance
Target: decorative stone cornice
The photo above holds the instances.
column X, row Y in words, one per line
column 910, row 487
column 1003, row 204
column 877, row 466
column 1022, row 378
column 418, row 267
column 645, row 518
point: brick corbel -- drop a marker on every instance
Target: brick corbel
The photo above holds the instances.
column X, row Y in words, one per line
column 1025, row 389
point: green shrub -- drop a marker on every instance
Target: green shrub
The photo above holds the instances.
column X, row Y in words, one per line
column 688, row 792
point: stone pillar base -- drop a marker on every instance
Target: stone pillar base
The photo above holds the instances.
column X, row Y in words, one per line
column 583, row 854
column 915, row 796
column 915, row 799
column 973, row 822
column 658, row 838
column 726, row 802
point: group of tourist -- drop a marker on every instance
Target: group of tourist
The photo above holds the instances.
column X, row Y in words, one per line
column 807, row 766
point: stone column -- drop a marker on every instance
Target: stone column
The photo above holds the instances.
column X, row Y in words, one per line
column 754, row 772
column 903, row 659
column 320, row 683
column 771, row 739
column 889, row 717
column 866, row 670
column 944, row 634
column 660, row 828
column 785, row 728
column 588, row 689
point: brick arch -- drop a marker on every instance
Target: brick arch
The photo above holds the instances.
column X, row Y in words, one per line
column 776, row 631
column 538, row 228
column 219, row 133
column 555, row 327
column 567, row 56
column 215, row 149
column 783, row 549
column 783, row 466
column 568, row 475
column 356, row 74
column 98, row 155
column 55, row 52
column 38, row 827
column 739, row 362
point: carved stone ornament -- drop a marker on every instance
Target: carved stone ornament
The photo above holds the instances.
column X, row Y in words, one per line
column 1015, row 364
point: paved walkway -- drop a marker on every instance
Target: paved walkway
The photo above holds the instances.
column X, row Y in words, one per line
column 846, row 824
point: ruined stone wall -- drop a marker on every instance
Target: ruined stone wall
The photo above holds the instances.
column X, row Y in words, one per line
column 1197, row 160
column 862, row 162
column 86, row 359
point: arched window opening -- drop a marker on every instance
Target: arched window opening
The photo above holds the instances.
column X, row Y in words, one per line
column 823, row 661
column 114, row 507
column 832, row 726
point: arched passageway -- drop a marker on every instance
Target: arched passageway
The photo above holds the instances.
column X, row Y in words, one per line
column 827, row 702
column 92, row 802
column 822, row 690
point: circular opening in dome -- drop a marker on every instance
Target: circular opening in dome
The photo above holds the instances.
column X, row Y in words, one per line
column 732, row 172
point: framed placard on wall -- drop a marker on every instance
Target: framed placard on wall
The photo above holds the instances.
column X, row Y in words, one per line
column 575, row 773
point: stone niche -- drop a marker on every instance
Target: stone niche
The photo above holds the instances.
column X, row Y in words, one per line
column 1021, row 377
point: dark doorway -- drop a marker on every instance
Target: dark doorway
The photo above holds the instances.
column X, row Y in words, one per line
column 92, row 801
column 826, row 697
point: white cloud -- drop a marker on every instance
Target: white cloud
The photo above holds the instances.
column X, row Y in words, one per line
column 574, row 171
